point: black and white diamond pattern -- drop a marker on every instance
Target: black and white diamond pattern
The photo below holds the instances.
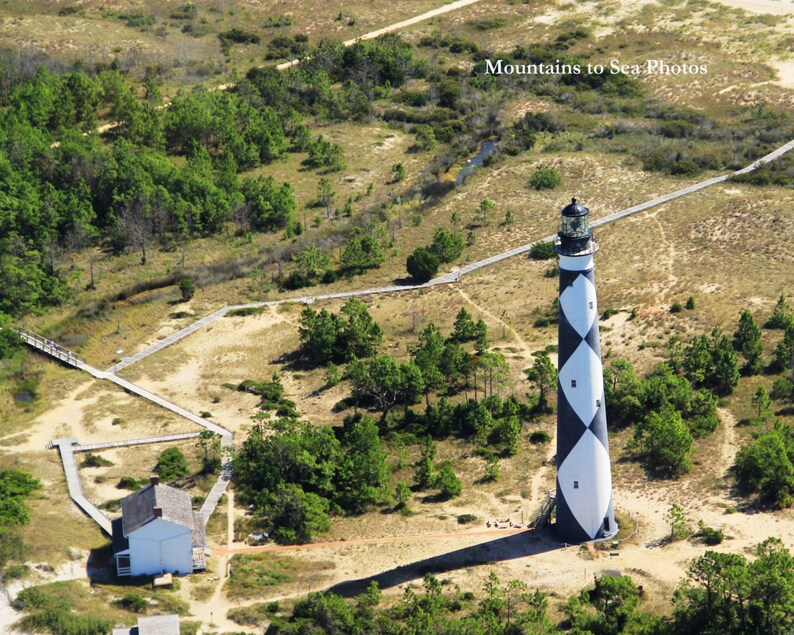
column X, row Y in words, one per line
column 584, row 480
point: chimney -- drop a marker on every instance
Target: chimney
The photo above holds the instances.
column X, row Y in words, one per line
column 155, row 480
column 158, row 511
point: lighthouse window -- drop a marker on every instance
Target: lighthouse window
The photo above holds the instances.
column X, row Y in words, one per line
column 591, row 306
column 573, row 383
column 598, row 403
column 576, row 484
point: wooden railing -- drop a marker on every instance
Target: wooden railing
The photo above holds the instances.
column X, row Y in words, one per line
column 50, row 347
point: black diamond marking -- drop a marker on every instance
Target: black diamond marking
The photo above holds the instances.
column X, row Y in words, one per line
column 567, row 278
column 567, row 527
column 568, row 340
column 598, row 426
column 570, row 427
column 593, row 339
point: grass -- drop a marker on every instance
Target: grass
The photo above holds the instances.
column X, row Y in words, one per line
column 251, row 573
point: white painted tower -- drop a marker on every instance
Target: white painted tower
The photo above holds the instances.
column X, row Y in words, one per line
column 584, row 474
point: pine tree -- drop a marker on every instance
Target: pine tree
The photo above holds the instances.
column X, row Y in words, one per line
column 747, row 340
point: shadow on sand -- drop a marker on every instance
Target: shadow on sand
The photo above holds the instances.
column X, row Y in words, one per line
column 512, row 547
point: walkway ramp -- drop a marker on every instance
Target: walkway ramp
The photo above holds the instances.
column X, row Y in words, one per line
column 66, row 447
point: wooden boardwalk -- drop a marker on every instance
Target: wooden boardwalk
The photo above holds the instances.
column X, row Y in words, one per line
column 92, row 447
column 67, row 447
column 453, row 276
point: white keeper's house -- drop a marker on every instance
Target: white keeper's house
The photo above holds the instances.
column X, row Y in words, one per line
column 158, row 532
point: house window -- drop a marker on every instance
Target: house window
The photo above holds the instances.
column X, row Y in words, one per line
column 598, row 403
column 573, row 383
column 576, row 484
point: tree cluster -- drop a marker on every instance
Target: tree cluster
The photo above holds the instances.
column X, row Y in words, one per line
column 338, row 337
column 423, row 263
column 295, row 474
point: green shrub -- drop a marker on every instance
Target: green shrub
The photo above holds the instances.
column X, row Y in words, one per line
column 187, row 288
column 94, row 460
column 543, row 251
column 422, row 264
column 133, row 603
column 251, row 310
column 128, row 482
column 539, row 436
column 464, row 519
column 171, row 465
column 676, row 307
column 545, row 179
column 690, row 303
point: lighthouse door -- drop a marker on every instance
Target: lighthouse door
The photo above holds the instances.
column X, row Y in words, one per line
column 606, row 524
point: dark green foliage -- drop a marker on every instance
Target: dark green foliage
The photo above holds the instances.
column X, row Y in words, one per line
column 784, row 351
column 676, row 307
column 324, row 154
column 350, row 334
column 187, row 289
column 171, row 464
column 446, row 245
column 10, row 341
column 95, row 460
column 271, row 208
column 128, row 482
column 15, row 486
column 272, row 394
column 712, row 362
column 629, row 399
column 747, row 340
column 294, row 474
column 237, row 36
column 666, row 441
column 542, row 251
column 448, row 482
column 465, row 519
column 465, row 329
column 539, row 436
column 133, row 603
column 422, row 264
column 782, row 316
column 545, row 179
column 544, row 376
column 726, row 595
column 360, row 254
column 709, row 535
column 690, row 303
column 766, row 466
column 426, row 475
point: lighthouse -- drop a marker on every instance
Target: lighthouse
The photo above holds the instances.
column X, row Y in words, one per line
column 584, row 474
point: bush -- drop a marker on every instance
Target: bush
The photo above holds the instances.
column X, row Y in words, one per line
column 422, row 264
column 187, row 289
column 545, row 179
column 542, row 251
column 237, row 36
column 539, row 436
column 709, row 535
column 128, row 482
column 94, row 460
column 133, row 603
column 171, row 465
column 464, row 519
column 676, row 307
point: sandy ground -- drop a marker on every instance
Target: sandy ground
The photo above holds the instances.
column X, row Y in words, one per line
column 776, row 7
column 785, row 71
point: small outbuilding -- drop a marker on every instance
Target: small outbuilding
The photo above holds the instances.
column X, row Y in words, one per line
column 158, row 532
column 155, row 625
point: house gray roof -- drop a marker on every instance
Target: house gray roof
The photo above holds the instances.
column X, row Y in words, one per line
column 155, row 625
column 138, row 508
